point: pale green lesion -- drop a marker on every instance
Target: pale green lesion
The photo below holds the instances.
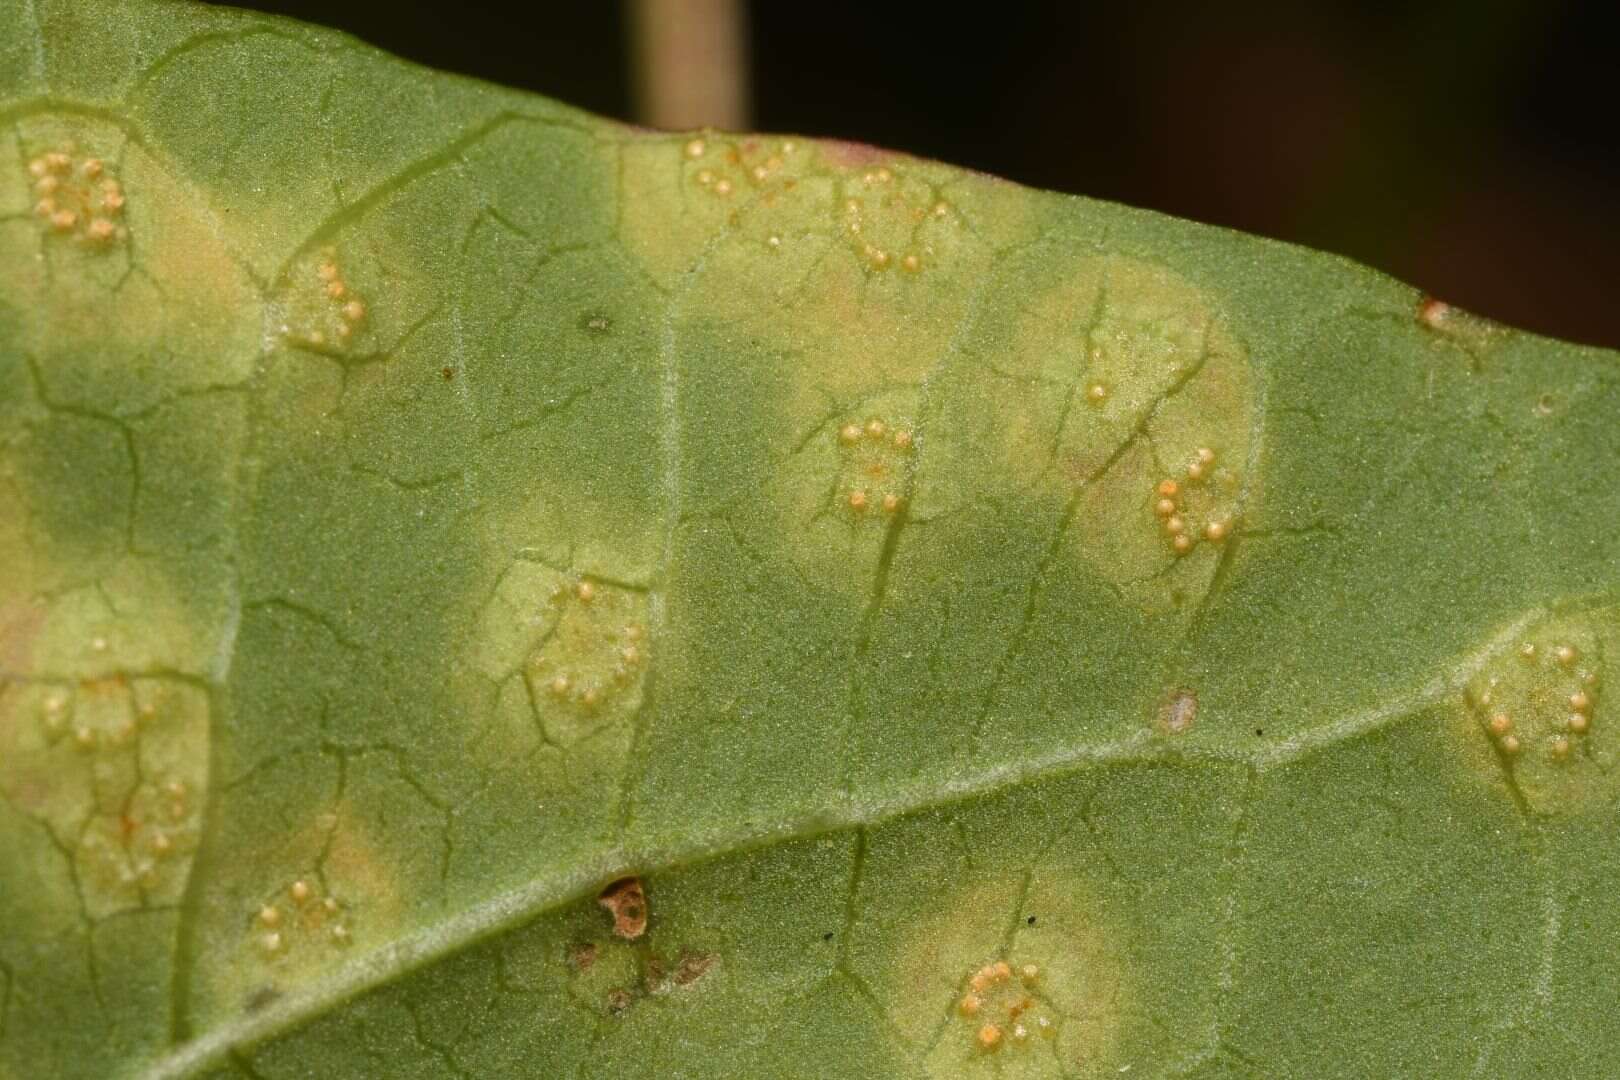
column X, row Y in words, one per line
column 1537, row 716
column 977, row 990
column 117, row 769
column 322, row 308
column 1121, row 392
column 347, row 873
column 128, row 291
column 572, row 650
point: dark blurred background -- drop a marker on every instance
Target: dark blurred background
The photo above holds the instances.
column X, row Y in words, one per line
column 1470, row 147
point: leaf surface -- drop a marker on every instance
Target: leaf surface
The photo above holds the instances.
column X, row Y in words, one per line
column 998, row 633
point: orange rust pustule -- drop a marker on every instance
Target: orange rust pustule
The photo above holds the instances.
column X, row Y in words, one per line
column 1432, row 310
column 626, row 901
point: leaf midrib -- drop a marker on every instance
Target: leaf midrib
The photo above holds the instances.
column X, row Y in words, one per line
column 523, row 904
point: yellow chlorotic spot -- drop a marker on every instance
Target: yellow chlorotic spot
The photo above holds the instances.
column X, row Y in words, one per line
column 1097, row 393
column 1579, row 701
column 1182, row 543
column 879, row 258
column 336, row 290
column 101, row 229
column 969, row 1005
column 585, row 591
column 857, row 500
column 1510, row 744
column 1578, row 723
column 1215, row 530
column 1500, row 724
column 560, row 685
column 1528, row 650
column 1564, row 654
column 875, row 428
column 64, row 220
column 989, row 1036
column 902, row 440
column 722, row 187
column 1164, row 507
column 704, row 177
column 695, row 148
column 270, row 915
column 849, row 433
column 354, row 311
column 327, row 271
column 911, row 263
column 1560, row 747
column 1175, row 525
column 1168, row 489
column 271, row 942
column 300, row 891
column 891, row 503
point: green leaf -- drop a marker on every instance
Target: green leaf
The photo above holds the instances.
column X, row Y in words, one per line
column 423, row 506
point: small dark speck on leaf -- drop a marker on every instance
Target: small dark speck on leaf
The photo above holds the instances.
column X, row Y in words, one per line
column 261, row 997
column 1030, row 921
column 448, row 373
column 828, row 936
column 1259, row 731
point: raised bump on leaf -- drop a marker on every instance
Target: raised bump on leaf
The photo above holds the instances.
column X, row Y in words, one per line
column 579, row 646
column 117, row 769
column 77, row 197
column 107, row 331
column 975, row 959
column 322, row 309
column 1537, row 714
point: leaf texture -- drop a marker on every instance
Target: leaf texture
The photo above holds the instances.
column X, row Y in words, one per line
column 967, row 631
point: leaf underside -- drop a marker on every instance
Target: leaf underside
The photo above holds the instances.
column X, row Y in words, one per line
column 998, row 633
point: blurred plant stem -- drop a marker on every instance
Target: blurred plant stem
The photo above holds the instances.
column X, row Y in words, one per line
column 690, row 63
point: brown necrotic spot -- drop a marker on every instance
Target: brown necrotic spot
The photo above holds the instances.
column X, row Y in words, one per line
column 582, row 956
column 1179, row 711
column 691, row 967
column 626, row 901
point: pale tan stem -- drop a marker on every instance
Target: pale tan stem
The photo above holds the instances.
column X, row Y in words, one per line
column 690, row 63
